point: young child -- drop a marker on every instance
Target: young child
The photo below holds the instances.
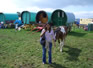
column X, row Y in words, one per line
column 49, row 36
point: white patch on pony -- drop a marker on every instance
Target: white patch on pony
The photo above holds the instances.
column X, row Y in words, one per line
column 61, row 45
column 62, row 29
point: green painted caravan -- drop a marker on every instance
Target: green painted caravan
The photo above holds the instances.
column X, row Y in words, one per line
column 28, row 17
column 8, row 17
column 59, row 18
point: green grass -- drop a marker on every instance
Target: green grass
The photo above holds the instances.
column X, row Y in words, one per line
column 23, row 50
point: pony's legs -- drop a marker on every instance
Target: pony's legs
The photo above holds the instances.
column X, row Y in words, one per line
column 61, row 45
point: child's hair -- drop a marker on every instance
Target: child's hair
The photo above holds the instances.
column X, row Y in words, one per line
column 49, row 28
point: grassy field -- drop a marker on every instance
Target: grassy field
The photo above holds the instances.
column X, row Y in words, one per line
column 23, row 50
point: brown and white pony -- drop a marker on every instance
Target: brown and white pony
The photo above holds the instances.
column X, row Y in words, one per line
column 60, row 35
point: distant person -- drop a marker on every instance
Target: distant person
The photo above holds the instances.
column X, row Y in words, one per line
column 2, row 24
column 48, row 33
column 39, row 22
column 18, row 23
column 78, row 24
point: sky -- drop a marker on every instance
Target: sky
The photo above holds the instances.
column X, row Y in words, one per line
column 81, row 8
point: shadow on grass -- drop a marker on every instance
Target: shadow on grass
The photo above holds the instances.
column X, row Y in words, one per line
column 77, row 34
column 54, row 65
column 73, row 52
